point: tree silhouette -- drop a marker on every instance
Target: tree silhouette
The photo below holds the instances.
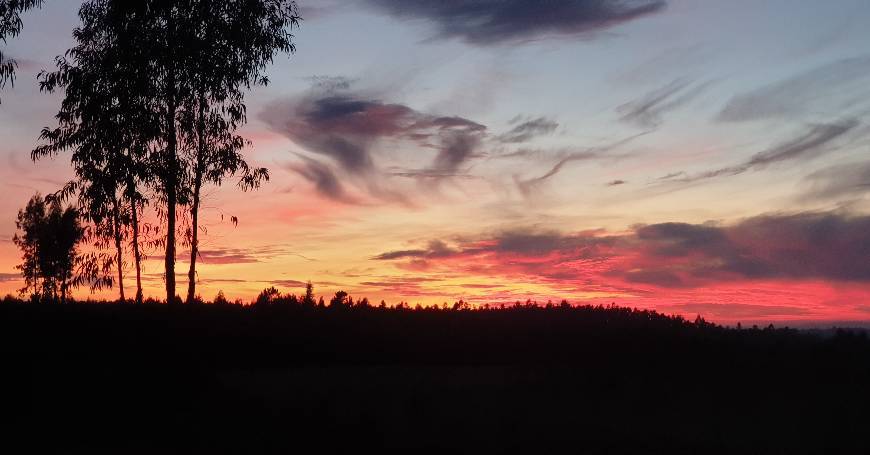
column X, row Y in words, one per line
column 48, row 239
column 103, row 122
column 308, row 299
column 193, row 56
column 10, row 26
column 154, row 94
column 231, row 44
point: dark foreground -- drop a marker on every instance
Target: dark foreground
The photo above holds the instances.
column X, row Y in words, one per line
column 289, row 379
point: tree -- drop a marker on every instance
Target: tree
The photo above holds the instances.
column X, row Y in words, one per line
column 339, row 300
column 104, row 123
column 48, row 239
column 231, row 44
column 308, row 299
column 193, row 57
column 10, row 26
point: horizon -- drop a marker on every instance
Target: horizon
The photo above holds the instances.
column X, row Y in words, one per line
column 692, row 158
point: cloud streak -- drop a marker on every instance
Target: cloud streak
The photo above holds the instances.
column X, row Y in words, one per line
column 648, row 110
column 845, row 180
column 528, row 186
column 528, row 130
column 832, row 86
column 811, row 144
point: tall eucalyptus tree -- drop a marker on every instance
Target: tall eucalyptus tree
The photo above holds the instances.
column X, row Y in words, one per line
column 174, row 73
column 104, row 122
column 230, row 47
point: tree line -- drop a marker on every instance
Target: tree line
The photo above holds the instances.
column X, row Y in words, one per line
column 154, row 95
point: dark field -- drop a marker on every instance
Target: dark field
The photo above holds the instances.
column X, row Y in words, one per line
column 89, row 378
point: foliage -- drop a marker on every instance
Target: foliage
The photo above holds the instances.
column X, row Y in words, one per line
column 10, row 26
column 103, row 123
column 153, row 97
column 48, row 239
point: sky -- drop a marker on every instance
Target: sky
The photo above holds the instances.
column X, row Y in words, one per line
column 689, row 156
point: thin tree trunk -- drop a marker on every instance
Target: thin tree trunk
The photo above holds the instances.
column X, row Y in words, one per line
column 137, row 255
column 119, row 248
column 194, row 241
column 171, row 203
column 171, row 180
column 194, row 209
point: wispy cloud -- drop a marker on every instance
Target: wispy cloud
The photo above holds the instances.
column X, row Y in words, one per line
column 528, row 186
column 828, row 88
column 810, row 144
column 348, row 128
column 528, row 129
column 324, row 179
column 648, row 110
column 833, row 182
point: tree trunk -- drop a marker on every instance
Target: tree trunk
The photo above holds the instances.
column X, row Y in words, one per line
column 171, row 203
column 171, row 179
column 194, row 240
column 194, row 208
column 116, row 219
column 137, row 255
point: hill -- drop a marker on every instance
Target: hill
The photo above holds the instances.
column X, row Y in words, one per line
column 274, row 378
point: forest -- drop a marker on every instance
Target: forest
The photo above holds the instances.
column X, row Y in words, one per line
column 282, row 375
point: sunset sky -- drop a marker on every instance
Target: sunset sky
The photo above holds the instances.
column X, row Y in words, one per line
column 694, row 157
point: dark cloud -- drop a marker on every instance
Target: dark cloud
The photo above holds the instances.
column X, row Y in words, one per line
column 435, row 249
column 323, row 177
column 228, row 256
column 347, row 128
column 648, row 110
column 248, row 255
column 806, row 246
column 803, row 246
column 809, row 145
column 845, row 180
column 832, row 87
column 492, row 22
column 528, row 130
column 534, row 243
column 518, row 242
column 456, row 148
column 289, row 283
